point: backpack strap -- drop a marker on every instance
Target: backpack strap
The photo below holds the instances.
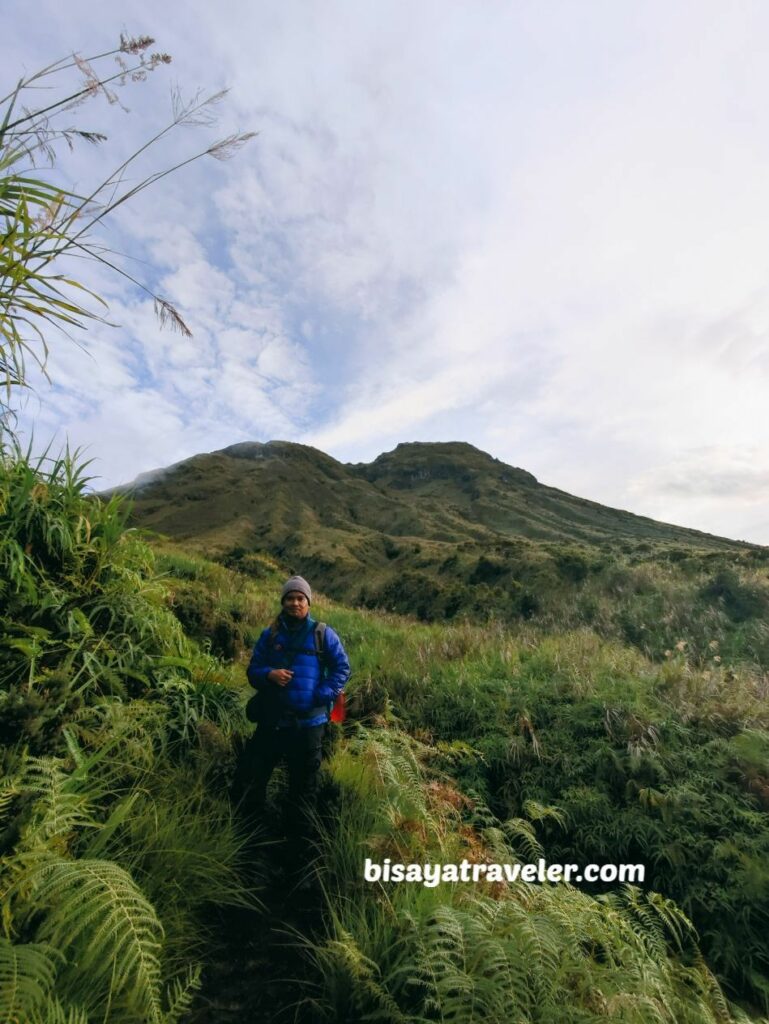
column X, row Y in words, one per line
column 320, row 639
column 290, row 652
column 335, row 708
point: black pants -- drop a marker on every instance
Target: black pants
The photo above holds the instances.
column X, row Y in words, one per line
column 301, row 749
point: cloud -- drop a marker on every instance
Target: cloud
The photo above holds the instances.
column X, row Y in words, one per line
column 717, row 488
column 710, row 472
column 543, row 231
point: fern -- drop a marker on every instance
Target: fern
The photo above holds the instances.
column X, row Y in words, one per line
column 60, row 808
column 27, row 974
column 520, row 833
column 9, row 790
column 358, row 977
column 58, row 1014
column 653, row 919
column 181, row 994
column 98, row 918
column 485, row 960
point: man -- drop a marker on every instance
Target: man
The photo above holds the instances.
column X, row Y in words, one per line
column 298, row 671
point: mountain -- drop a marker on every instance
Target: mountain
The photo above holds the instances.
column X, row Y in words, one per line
column 424, row 517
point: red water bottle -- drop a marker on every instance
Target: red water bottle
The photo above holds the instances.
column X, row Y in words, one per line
column 338, row 713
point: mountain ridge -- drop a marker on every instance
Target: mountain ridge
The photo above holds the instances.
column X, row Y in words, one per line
column 428, row 470
column 432, row 518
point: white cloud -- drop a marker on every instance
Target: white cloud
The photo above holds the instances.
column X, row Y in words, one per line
column 709, row 487
column 540, row 229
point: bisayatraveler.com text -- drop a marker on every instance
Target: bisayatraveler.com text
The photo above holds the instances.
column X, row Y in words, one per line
column 433, row 874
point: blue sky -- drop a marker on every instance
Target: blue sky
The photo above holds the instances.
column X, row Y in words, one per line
column 542, row 229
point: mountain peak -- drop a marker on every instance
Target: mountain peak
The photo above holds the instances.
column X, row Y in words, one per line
column 286, row 451
column 413, row 461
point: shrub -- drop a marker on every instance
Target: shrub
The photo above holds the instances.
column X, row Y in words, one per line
column 572, row 565
column 739, row 599
column 487, row 570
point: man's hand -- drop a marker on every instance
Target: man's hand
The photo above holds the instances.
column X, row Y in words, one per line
column 281, row 676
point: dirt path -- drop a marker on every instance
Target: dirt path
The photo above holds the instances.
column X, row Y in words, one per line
column 256, row 971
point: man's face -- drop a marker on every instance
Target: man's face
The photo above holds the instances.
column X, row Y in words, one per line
column 296, row 605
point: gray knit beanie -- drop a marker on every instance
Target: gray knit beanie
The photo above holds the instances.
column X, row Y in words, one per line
column 297, row 583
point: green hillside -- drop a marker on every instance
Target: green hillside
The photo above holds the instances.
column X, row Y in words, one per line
column 446, row 532
column 439, row 494
column 131, row 891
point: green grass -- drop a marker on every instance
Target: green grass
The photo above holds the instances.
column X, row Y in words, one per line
column 446, row 533
column 490, row 741
column 116, row 833
column 652, row 760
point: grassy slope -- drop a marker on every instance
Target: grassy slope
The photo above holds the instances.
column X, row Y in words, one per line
column 589, row 748
column 444, row 532
column 444, row 492
column 486, row 743
column 448, row 512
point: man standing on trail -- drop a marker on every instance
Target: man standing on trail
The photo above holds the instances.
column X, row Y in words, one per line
column 298, row 669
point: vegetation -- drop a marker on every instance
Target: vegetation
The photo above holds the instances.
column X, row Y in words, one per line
column 42, row 225
column 114, row 832
column 491, row 743
column 444, row 532
column 495, row 952
column 107, row 711
column 585, row 747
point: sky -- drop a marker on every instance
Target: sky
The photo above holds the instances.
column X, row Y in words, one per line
column 539, row 228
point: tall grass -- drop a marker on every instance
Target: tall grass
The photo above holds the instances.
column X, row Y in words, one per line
column 408, row 953
column 481, row 742
column 649, row 760
column 115, row 828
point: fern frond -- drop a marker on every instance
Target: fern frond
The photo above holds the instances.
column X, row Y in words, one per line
column 536, row 811
column 95, row 914
column 653, row 918
column 343, row 956
column 522, row 837
column 180, row 995
column 59, row 809
column 27, row 974
column 640, row 1007
column 9, row 790
column 58, row 1014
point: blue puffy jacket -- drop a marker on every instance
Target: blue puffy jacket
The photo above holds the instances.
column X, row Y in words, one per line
column 317, row 681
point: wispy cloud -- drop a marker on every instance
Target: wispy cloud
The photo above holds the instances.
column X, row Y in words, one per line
column 717, row 472
column 541, row 230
